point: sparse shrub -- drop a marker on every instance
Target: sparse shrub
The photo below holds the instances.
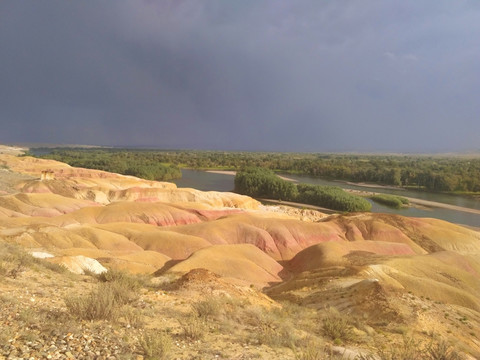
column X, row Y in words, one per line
column 132, row 317
column 14, row 260
column 207, row 308
column 166, row 282
column 409, row 349
column 277, row 335
column 440, row 350
column 100, row 304
column 367, row 357
column 311, row 351
column 130, row 281
column 194, row 328
column 400, row 329
column 335, row 326
column 11, row 270
column 6, row 335
column 28, row 316
column 337, row 341
column 122, row 293
column 23, row 258
column 58, row 268
column 53, row 319
column 156, row 345
column 3, row 269
column 28, row 336
column 272, row 328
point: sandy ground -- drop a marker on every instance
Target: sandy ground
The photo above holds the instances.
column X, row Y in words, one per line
column 377, row 186
column 10, row 150
column 9, row 179
column 421, row 203
column 298, row 205
column 233, row 173
column 223, row 172
column 442, row 205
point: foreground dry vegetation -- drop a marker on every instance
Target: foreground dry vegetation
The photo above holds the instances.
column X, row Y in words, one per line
column 195, row 275
column 51, row 313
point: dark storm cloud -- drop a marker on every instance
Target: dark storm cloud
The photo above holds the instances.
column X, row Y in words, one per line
column 260, row 75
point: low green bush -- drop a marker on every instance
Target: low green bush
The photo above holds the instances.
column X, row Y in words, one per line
column 393, row 201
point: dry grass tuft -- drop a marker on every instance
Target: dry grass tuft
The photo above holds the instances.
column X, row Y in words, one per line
column 208, row 308
column 98, row 305
column 104, row 303
column 127, row 280
column 441, row 350
column 336, row 327
column 272, row 328
column 156, row 345
column 14, row 260
column 310, row 353
column 194, row 328
column 411, row 349
column 133, row 317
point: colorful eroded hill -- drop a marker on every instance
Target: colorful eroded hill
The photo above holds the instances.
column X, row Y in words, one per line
column 377, row 266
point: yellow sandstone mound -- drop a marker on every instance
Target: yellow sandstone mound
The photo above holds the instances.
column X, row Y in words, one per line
column 104, row 187
column 46, row 205
column 242, row 262
column 145, row 262
column 280, row 238
column 339, row 253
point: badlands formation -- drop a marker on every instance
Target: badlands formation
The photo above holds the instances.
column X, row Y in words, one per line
column 396, row 276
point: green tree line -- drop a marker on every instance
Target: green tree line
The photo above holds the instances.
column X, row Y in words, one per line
column 257, row 182
column 431, row 173
column 143, row 164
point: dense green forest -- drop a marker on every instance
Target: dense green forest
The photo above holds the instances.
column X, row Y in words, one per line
column 144, row 164
column 432, row 173
column 259, row 182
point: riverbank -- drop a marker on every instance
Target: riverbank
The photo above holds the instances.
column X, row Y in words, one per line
column 297, row 205
column 414, row 201
column 435, row 204
column 222, row 172
column 233, row 173
column 375, row 186
column 423, row 203
column 420, row 202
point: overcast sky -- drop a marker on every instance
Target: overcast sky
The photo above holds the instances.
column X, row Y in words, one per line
column 281, row 75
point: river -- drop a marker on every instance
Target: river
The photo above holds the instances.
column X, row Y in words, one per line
column 208, row 181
